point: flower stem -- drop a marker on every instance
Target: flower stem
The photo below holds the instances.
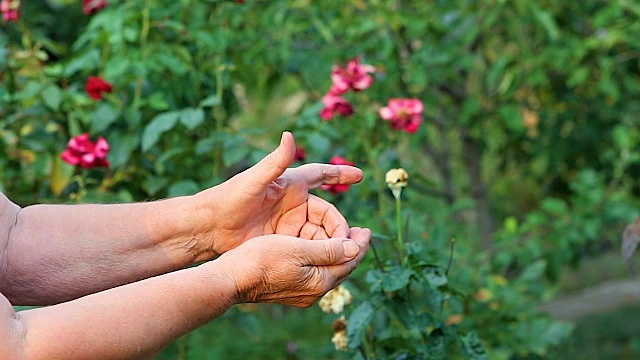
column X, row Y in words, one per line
column 219, row 120
column 144, row 34
column 377, row 257
column 399, row 225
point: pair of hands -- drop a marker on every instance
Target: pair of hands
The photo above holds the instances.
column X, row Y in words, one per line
column 267, row 216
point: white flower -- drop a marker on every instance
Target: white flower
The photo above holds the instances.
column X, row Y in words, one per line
column 339, row 340
column 396, row 179
column 335, row 300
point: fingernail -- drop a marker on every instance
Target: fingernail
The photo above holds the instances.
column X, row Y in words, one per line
column 351, row 249
column 281, row 139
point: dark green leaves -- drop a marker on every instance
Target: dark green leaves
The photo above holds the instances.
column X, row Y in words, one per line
column 159, row 125
column 357, row 323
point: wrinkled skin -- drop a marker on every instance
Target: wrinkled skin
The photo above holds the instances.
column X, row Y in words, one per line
column 271, row 198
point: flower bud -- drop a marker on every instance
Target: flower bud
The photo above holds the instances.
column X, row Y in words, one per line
column 335, row 300
column 396, row 179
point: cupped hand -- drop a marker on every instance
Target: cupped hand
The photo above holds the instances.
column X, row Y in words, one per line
column 292, row 271
column 270, row 198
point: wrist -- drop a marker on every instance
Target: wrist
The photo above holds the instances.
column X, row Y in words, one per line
column 177, row 225
column 243, row 270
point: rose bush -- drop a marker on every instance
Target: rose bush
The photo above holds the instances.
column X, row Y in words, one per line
column 477, row 101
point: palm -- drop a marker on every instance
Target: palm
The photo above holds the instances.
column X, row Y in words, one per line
column 267, row 199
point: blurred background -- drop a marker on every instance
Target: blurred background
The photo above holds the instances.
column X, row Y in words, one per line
column 523, row 154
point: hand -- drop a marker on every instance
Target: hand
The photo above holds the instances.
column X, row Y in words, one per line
column 271, row 199
column 289, row 270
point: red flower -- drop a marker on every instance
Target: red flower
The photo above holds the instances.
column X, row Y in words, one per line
column 332, row 104
column 96, row 87
column 301, row 154
column 404, row 114
column 92, row 6
column 9, row 10
column 353, row 76
column 81, row 151
column 337, row 188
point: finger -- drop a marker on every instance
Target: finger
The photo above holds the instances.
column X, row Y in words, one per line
column 328, row 252
column 313, row 232
column 315, row 175
column 339, row 272
column 362, row 236
column 271, row 166
column 322, row 213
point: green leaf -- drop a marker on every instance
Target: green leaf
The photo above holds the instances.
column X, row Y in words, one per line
column 103, row 117
column 318, row 143
column 435, row 345
column 192, row 117
column 210, row 101
column 158, row 126
column 52, row 97
column 435, row 276
column 122, row 146
column 396, row 278
column 233, row 153
column 546, row 20
column 158, row 102
column 473, row 348
column 185, row 187
column 533, row 271
column 154, row 184
column 116, row 67
column 358, row 322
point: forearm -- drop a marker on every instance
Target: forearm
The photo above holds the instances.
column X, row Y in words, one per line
column 128, row 322
column 56, row 253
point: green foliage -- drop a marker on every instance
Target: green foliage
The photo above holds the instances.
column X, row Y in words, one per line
column 528, row 156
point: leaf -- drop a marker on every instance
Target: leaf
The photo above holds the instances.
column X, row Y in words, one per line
column 60, row 175
column 435, row 345
column 358, row 321
column 192, row 117
column 158, row 126
column 185, row 187
column 122, row 146
column 233, row 153
column 103, row 117
column 210, row 101
column 630, row 239
column 473, row 348
column 396, row 278
column 52, row 97
column 435, row 276
column 546, row 20
column 533, row 271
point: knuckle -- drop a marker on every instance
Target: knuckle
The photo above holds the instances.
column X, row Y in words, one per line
column 330, row 252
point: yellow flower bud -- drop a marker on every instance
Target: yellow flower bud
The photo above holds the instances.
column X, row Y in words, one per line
column 335, row 300
column 339, row 340
column 396, row 179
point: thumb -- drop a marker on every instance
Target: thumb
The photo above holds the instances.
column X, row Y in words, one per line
column 330, row 251
column 274, row 164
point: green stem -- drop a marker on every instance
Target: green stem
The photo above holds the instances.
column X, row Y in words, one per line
column 219, row 120
column 182, row 347
column 399, row 227
column 144, row 34
column 377, row 175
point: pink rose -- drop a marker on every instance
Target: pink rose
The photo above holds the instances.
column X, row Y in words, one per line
column 92, row 6
column 404, row 114
column 335, row 104
column 353, row 76
column 82, row 151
